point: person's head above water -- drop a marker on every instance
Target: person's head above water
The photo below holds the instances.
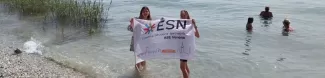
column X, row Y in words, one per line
column 249, row 25
column 145, row 13
column 184, row 14
column 250, row 20
column 267, row 9
column 286, row 23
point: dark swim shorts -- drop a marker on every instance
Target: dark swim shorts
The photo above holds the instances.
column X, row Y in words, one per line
column 183, row 60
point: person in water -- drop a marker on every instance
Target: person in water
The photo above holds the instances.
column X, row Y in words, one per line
column 145, row 15
column 266, row 14
column 286, row 25
column 249, row 26
column 183, row 62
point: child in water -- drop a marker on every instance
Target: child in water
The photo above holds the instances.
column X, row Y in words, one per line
column 249, row 26
column 286, row 25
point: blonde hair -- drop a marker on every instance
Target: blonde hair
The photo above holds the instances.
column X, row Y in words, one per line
column 286, row 21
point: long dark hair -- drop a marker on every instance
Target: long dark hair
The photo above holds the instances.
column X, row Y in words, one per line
column 144, row 8
column 188, row 15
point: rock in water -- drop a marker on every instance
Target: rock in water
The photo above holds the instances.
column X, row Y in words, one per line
column 17, row 51
column 281, row 59
column 245, row 53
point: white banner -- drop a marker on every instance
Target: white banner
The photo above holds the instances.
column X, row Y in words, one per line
column 165, row 38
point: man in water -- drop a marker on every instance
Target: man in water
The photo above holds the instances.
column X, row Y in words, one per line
column 266, row 14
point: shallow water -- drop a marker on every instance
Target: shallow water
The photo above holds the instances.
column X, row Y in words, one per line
column 219, row 50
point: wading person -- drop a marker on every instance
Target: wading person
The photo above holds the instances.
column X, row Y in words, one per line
column 183, row 62
column 145, row 15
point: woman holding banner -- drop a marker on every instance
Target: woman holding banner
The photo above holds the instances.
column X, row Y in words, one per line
column 183, row 62
column 145, row 15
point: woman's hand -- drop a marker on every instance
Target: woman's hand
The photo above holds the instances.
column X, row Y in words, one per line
column 193, row 22
column 130, row 27
column 196, row 33
column 131, row 22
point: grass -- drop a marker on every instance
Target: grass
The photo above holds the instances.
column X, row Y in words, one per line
column 86, row 13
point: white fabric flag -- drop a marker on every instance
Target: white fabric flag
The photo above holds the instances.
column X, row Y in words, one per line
column 165, row 38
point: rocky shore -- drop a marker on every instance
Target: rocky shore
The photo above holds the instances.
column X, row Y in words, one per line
column 32, row 66
column 24, row 65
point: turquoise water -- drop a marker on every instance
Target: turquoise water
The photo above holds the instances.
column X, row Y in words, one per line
column 219, row 50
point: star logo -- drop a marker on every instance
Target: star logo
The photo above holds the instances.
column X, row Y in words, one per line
column 149, row 28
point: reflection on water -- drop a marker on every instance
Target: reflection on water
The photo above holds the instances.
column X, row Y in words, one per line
column 285, row 33
column 247, row 44
column 266, row 21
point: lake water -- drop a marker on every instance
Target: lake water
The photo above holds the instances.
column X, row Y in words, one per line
column 219, row 50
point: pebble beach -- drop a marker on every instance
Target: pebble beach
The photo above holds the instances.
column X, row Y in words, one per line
column 26, row 65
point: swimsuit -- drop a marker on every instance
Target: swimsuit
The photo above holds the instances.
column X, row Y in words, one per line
column 183, row 60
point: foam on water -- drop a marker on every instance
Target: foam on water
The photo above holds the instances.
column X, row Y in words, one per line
column 33, row 46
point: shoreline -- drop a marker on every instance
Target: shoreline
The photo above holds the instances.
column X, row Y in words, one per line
column 24, row 64
column 33, row 65
column 30, row 65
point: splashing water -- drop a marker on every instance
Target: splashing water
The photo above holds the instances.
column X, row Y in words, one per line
column 33, row 46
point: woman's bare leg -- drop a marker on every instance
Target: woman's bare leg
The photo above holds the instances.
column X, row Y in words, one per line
column 184, row 69
column 143, row 64
column 187, row 69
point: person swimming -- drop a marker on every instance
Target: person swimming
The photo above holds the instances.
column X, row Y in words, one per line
column 286, row 25
column 249, row 26
column 266, row 14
